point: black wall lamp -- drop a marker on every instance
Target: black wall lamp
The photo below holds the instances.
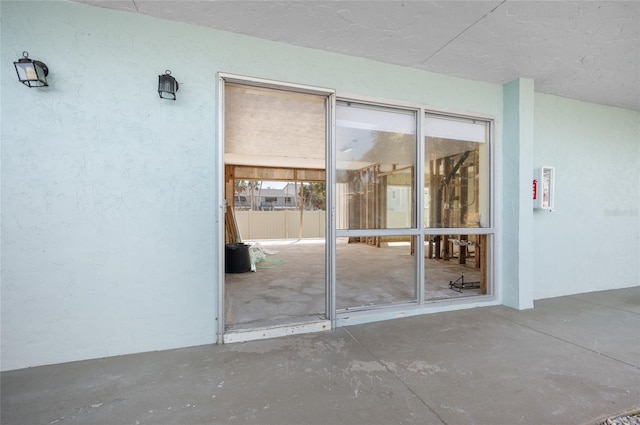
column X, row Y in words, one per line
column 167, row 86
column 31, row 73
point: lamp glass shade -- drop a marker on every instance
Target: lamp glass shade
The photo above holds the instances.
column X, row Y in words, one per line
column 167, row 87
column 31, row 73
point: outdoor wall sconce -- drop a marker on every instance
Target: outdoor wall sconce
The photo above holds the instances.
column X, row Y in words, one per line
column 167, row 86
column 31, row 73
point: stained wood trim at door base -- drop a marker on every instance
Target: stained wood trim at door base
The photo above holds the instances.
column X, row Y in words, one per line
column 276, row 331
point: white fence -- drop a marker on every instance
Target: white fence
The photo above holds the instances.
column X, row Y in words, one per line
column 285, row 224
column 280, row 224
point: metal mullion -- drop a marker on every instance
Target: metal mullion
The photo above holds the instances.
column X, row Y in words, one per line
column 419, row 206
column 221, row 212
column 376, row 232
column 330, row 241
column 369, row 308
column 459, row 230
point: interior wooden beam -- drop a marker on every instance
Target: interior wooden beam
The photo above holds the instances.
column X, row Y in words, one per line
column 245, row 172
column 482, row 239
column 229, row 186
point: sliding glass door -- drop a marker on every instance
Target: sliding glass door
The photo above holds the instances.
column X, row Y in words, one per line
column 375, row 205
column 354, row 206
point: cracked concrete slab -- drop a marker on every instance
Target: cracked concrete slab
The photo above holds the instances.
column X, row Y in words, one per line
column 482, row 366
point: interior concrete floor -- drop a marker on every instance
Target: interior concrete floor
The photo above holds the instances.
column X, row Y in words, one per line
column 289, row 284
column 570, row 360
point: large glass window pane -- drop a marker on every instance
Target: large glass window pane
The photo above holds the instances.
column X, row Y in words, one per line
column 375, row 167
column 456, row 193
column 456, row 266
column 374, row 271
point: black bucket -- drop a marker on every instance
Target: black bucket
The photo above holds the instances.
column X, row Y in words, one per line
column 237, row 259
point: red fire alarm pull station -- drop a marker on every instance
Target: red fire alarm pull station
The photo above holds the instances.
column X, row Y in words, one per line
column 535, row 189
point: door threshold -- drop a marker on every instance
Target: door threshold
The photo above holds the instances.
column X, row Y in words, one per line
column 275, row 331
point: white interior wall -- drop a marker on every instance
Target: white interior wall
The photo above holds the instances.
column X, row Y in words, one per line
column 592, row 241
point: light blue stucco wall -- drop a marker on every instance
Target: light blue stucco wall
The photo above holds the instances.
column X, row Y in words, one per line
column 592, row 241
column 516, row 258
column 109, row 240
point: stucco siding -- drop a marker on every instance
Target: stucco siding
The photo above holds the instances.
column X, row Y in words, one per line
column 592, row 241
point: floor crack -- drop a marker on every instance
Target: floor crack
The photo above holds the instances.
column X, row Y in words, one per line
column 396, row 376
column 565, row 341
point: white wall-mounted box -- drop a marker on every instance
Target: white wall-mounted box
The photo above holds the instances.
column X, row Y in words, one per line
column 544, row 182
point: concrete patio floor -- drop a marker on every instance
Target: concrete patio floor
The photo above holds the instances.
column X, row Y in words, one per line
column 571, row 360
column 291, row 287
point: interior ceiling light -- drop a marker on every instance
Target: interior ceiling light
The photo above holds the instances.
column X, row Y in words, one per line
column 167, row 86
column 31, row 73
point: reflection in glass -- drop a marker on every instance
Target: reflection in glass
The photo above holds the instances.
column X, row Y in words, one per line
column 375, row 167
column 456, row 173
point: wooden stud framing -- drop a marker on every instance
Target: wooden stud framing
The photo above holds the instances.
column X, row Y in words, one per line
column 481, row 251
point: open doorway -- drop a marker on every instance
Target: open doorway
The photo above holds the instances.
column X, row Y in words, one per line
column 283, row 222
column 275, row 143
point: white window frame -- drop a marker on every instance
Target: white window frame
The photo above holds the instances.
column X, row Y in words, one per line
column 222, row 335
column 420, row 305
column 380, row 312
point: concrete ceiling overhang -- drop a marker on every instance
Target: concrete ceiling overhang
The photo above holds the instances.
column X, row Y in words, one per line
column 585, row 50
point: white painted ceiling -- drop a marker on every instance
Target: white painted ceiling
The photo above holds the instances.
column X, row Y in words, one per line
column 586, row 50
